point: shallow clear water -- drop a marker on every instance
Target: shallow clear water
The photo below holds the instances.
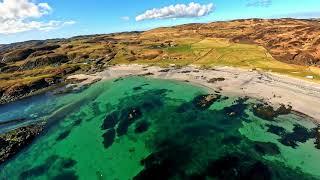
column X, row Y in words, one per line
column 140, row 128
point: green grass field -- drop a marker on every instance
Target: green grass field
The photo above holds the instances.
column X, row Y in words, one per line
column 212, row 52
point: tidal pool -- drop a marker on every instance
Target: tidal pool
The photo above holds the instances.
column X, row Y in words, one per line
column 141, row 128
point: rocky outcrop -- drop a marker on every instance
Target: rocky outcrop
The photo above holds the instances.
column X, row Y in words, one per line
column 19, row 91
column 305, row 58
column 24, row 53
column 50, row 59
column 14, row 141
column 47, row 47
column 8, row 69
column 15, row 92
column 39, row 53
column 17, row 55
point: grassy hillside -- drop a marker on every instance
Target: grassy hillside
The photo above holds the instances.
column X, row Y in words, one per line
column 210, row 52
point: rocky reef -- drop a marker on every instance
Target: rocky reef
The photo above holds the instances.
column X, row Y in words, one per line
column 268, row 112
column 14, row 141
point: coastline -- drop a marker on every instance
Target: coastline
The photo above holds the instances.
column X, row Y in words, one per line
column 303, row 96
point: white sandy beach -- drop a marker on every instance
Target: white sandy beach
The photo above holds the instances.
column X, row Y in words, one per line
column 303, row 96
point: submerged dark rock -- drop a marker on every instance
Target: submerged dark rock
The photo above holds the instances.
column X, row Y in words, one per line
column 35, row 171
column 110, row 121
column 137, row 88
column 199, row 130
column 141, row 126
column 300, row 134
column 258, row 171
column 54, row 161
column 238, row 167
column 237, row 109
column 266, row 148
column 63, row 135
column 224, row 168
column 66, row 175
column 153, row 102
column 68, row 163
column 77, row 122
column 164, row 164
column 231, row 140
column 184, row 107
column 14, row 141
column 277, row 130
column 128, row 116
column 109, row 137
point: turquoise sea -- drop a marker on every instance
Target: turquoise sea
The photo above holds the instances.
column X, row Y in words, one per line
column 148, row 129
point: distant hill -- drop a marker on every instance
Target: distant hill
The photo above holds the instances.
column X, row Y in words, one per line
column 287, row 46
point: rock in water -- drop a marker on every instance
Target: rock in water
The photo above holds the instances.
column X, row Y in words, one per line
column 266, row 148
column 205, row 101
column 14, row 141
column 141, row 127
column 267, row 112
column 110, row 121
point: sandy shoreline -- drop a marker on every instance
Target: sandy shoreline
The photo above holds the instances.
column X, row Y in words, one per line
column 302, row 95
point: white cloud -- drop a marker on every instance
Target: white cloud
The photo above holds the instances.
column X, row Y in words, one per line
column 17, row 26
column 125, row 18
column 19, row 16
column 259, row 3
column 177, row 11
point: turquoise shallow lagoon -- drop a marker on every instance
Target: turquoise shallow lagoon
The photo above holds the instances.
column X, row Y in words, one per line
column 141, row 128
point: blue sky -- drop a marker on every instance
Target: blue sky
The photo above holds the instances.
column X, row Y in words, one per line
column 66, row 18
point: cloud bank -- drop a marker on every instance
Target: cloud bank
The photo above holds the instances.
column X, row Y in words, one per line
column 259, row 3
column 19, row 16
column 177, row 11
